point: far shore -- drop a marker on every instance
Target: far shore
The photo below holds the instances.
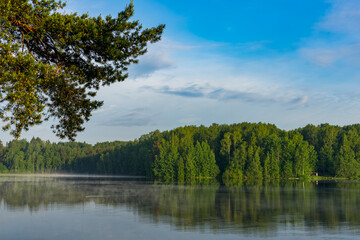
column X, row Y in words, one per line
column 65, row 175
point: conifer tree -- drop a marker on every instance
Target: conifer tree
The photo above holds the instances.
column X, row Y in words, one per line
column 210, row 169
column 180, row 170
column 287, row 171
column 274, row 164
column 235, row 171
column 254, row 170
column 267, row 167
column 52, row 63
column 347, row 166
column 226, row 146
column 190, row 165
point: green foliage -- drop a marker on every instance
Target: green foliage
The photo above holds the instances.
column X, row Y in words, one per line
column 226, row 145
column 166, row 162
column 199, row 161
column 180, row 170
column 205, row 161
column 190, row 165
column 254, row 168
column 3, row 169
column 267, row 167
column 287, row 171
column 52, row 63
column 187, row 154
column 347, row 165
column 235, row 172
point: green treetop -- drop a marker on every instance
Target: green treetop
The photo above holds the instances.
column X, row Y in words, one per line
column 52, row 63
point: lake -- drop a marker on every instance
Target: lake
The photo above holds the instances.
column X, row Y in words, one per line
column 74, row 207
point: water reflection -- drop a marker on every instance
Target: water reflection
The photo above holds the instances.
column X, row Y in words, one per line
column 265, row 209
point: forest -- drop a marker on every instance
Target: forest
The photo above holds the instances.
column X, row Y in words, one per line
column 232, row 153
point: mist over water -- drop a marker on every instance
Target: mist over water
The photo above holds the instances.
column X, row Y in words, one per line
column 73, row 207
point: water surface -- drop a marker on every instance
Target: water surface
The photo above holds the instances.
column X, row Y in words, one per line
column 35, row 207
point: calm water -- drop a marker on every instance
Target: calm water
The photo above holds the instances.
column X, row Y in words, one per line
column 110, row 208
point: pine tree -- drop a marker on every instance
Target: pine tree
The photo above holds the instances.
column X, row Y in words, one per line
column 226, row 146
column 274, row 164
column 254, row 170
column 210, row 169
column 267, row 167
column 287, row 171
column 347, row 166
column 190, row 165
column 52, row 63
column 235, row 172
column 180, row 170
column 303, row 164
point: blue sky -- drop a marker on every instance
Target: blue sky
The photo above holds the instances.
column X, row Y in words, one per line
column 224, row 61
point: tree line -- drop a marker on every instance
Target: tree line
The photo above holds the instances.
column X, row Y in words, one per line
column 251, row 151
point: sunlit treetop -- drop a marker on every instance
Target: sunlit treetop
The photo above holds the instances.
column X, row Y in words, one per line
column 52, row 63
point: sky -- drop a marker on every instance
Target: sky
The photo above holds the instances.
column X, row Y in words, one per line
column 289, row 63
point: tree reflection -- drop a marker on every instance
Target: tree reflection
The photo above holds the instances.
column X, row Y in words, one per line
column 251, row 208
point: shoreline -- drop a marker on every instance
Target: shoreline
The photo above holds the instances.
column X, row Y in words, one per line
column 65, row 175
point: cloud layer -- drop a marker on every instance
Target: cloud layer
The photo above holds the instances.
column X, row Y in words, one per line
column 185, row 79
column 224, row 94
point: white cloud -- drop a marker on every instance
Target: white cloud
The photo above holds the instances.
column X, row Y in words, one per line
column 255, row 92
column 157, row 58
column 102, row 110
column 191, row 83
column 327, row 55
column 128, row 120
column 337, row 36
column 189, row 120
column 343, row 17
